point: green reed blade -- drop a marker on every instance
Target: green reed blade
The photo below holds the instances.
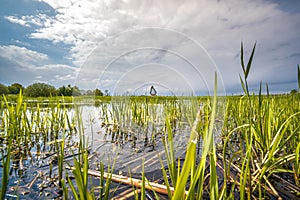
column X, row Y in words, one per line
column 250, row 62
column 101, row 186
column 242, row 58
column 298, row 78
column 297, row 165
column 165, row 176
column 214, row 190
column 185, row 172
column 5, row 171
column 245, row 169
column 279, row 135
column 244, row 86
column 143, row 189
column 170, row 153
column 149, row 184
column 73, row 188
column 65, row 190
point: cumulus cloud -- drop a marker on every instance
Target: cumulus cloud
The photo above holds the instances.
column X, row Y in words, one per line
column 31, row 20
column 54, row 73
column 22, row 56
column 159, row 53
column 19, row 64
column 16, row 20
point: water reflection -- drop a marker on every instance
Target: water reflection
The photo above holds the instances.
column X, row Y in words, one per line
column 124, row 132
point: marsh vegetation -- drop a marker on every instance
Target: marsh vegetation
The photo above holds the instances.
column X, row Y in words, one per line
column 234, row 147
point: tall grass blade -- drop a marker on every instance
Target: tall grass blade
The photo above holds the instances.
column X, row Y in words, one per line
column 5, row 171
column 247, row 69
column 214, row 190
column 244, row 86
column 185, row 172
column 65, row 190
column 143, row 191
column 207, row 148
column 165, row 176
column 73, row 188
column 250, row 62
column 298, row 78
column 242, row 58
column 170, row 153
column 297, row 165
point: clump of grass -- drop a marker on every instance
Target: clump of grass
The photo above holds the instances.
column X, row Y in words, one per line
column 81, row 177
column 266, row 130
column 25, row 129
column 191, row 170
column 10, row 126
column 82, row 189
column 5, row 157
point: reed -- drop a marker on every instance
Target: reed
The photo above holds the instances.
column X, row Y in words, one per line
column 5, row 157
column 267, row 132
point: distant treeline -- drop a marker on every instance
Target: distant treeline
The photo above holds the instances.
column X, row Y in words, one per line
column 46, row 90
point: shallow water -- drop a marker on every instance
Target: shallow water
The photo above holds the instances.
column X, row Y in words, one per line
column 126, row 142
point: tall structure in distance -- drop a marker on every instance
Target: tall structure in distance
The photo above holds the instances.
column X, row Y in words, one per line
column 153, row 91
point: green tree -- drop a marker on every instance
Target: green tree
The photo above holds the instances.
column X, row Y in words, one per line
column 15, row 88
column 106, row 92
column 61, row 91
column 68, row 91
column 98, row 92
column 294, row 91
column 40, row 90
column 3, row 89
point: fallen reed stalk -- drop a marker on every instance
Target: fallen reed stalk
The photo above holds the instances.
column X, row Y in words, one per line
column 162, row 189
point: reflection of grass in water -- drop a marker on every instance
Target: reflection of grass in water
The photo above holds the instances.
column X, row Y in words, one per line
column 32, row 133
column 5, row 157
column 144, row 118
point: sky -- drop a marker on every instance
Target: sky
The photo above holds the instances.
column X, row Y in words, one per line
column 127, row 46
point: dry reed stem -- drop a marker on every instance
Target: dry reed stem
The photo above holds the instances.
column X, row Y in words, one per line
column 162, row 189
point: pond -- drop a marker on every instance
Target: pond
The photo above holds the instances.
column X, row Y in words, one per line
column 125, row 134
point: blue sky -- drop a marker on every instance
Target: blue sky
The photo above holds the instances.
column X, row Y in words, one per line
column 126, row 46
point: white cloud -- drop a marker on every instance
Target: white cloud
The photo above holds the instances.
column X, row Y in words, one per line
column 56, row 73
column 189, row 67
column 31, row 20
column 30, row 66
column 218, row 25
column 16, row 20
column 22, row 56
